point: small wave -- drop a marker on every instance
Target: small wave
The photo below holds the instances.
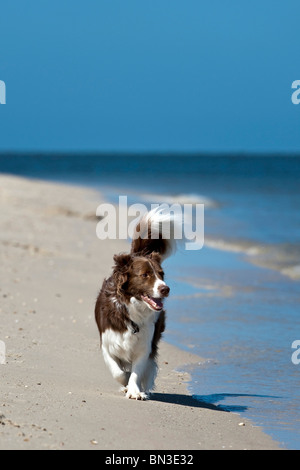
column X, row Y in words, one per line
column 180, row 199
column 240, row 246
column 292, row 271
column 279, row 257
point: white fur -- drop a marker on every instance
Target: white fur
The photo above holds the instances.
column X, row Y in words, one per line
column 127, row 354
column 162, row 223
column 158, row 283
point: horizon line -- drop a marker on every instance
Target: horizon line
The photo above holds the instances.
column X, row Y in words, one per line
column 188, row 153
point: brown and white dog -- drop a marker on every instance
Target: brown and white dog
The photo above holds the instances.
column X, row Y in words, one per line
column 129, row 310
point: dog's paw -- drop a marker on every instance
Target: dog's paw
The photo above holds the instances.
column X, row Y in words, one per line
column 136, row 395
column 124, row 389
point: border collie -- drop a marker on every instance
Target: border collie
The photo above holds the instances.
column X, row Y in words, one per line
column 129, row 310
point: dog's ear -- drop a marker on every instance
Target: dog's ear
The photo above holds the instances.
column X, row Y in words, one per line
column 155, row 256
column 122, row 261
column 120, row 273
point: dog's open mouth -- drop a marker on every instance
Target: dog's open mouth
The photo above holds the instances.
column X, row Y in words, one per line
column 155, row 304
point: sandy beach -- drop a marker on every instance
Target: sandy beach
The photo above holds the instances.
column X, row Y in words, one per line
column 56, row 392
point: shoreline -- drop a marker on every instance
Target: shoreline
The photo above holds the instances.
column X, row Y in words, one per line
column 56, row 390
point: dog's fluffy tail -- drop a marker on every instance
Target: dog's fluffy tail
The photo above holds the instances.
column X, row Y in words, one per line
column 157, row 231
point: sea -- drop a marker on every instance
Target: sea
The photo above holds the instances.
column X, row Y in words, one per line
column 234, row 302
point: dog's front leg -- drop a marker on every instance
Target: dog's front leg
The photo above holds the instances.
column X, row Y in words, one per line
column 134, row 384
column 117, row 373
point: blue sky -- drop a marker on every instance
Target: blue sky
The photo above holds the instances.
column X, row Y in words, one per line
column 122, row 75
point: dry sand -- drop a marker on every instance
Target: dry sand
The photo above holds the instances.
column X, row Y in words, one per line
column 55, row 391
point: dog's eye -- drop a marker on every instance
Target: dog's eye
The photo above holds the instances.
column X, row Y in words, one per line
column 145, row 275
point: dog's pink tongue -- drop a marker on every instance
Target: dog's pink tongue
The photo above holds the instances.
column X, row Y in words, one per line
column 156, row 303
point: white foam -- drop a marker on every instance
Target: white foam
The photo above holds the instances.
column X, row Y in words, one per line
column 267, row 256
column 292, row 271
column 180, row 199
column 233, row 246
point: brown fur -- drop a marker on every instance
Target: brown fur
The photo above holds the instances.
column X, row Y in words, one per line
column 133, row 275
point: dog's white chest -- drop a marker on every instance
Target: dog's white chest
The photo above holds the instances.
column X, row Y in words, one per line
column 136, row 341
column 129, row 345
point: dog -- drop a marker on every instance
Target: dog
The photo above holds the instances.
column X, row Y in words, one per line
column 129, row 309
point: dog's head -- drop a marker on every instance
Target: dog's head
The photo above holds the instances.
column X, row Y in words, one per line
column 141, row 277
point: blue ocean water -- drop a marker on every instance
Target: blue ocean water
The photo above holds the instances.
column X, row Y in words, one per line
column 236, row 301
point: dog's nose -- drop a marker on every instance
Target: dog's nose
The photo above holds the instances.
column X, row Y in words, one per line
column 164, row 291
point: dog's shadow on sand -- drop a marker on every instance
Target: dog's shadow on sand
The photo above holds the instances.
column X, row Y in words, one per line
column 211, row 402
